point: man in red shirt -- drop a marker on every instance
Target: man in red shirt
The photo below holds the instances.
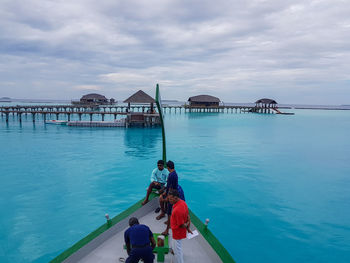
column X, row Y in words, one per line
column 179, row 223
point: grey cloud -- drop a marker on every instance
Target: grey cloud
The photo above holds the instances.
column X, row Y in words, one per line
column 239, row 50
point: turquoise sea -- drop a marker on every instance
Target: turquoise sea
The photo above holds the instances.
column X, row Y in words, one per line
column 275, row 188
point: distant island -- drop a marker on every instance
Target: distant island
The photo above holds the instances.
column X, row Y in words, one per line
column 5, row 99
column 170, row 100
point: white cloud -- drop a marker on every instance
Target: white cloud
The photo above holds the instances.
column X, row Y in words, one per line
column 87, row 87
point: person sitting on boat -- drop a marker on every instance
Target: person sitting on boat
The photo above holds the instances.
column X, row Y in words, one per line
column 172, row 183
column 139, row 242
column 180, row 223
column 158, row 179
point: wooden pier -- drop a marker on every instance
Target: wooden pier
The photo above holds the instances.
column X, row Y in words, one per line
column 47, row 111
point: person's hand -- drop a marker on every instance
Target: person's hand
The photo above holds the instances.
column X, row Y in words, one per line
column 189, row 230
column 188, row 227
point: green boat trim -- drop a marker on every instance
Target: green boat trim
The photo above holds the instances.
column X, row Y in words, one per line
column 65, row 254
column 224, row 255
column 201, row 227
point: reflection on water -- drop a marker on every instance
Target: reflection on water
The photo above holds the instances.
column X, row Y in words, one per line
column 142, row 142
column 200, row 115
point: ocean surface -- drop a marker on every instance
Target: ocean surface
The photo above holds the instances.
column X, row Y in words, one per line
column 275, row 188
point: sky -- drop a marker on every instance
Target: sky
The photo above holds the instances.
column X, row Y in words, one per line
column 240, row 51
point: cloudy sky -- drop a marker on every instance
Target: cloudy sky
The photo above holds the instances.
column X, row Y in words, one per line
column 240, row 51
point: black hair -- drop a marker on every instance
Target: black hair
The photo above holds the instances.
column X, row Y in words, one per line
column 160, row 162
column 170, row 164
column 174, row 192
column 133, row 221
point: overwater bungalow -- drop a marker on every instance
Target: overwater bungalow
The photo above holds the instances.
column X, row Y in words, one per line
column 142, row 118
column 95, row 99
column 204, row 101
column 140, row 98
column 266, row 103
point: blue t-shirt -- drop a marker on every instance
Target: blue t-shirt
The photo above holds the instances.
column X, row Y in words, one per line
column 172, row 181
column 181, row 192
column 138, row 235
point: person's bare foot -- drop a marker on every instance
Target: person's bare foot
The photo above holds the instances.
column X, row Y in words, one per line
column 160, row 216
column 144, row 202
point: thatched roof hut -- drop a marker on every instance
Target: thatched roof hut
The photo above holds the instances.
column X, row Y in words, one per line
column 204, row 101
column 139, row 97
column 266, row 103
column 93, row 98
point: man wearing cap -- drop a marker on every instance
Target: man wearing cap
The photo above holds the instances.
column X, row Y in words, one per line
column 179, row 223
column 158, row 179
column 139, row 242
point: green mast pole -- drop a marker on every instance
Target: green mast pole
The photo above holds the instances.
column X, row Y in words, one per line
column 160, row 110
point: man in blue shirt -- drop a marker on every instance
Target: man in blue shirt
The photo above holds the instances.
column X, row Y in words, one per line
column 158, row 179
column 172, row 184
column 139, row 242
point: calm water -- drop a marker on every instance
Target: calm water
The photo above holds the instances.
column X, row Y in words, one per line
column 276, row 188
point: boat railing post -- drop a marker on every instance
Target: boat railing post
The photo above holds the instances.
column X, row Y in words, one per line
column 206, row 223
column 109, row 221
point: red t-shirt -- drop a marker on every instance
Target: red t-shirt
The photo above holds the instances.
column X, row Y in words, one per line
column 179, row 216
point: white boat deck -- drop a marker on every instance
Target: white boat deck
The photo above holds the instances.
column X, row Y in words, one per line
column 111, row 249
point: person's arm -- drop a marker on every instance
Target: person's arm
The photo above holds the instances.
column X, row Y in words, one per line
column 167, row 185
column 170, row 183
column 153, row 176
column 188, row 223
column 151, row 239
column 128, row 248
column 165, row 174
column 153, row 242
column 127, row 242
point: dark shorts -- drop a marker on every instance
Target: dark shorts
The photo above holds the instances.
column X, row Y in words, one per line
column 169, row 209
column 144, row 253
column 158, row 187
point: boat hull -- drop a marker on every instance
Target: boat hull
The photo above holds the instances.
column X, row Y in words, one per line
column 106, row 243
